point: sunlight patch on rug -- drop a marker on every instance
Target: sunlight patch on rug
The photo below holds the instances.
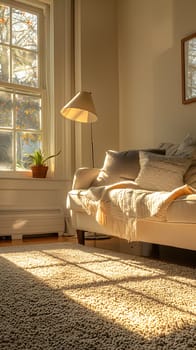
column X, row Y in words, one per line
column 149, row 298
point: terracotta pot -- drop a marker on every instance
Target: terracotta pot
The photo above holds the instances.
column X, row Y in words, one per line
column 39, row 171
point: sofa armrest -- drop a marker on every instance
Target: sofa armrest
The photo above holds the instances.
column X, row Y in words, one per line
column 83, row 177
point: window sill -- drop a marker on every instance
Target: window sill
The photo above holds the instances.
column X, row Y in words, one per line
column 29, row 183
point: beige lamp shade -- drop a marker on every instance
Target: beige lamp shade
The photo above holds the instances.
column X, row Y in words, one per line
column 80, row 108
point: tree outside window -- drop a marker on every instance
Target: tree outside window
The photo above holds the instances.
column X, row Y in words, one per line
column 21, row 129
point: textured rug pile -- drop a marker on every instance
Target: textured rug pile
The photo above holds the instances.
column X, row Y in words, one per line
column 67, row 297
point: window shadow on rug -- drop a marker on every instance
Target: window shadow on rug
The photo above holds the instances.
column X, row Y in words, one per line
column 64, row 297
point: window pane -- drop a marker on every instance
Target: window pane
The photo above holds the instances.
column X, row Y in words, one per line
column 24, row 67
column 4, row 63
column 24, row 29
column 28, row 112
column 20, row 84
column 6, row 150
column 6, row 119
column 4, row 24
column 27, row 143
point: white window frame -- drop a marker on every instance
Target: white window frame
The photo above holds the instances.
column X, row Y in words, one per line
column 46, row 87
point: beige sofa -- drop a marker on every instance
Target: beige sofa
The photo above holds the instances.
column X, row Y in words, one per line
column 139, row 195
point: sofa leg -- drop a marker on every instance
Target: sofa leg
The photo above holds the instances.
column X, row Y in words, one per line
column 80, row 237
column 155, row 251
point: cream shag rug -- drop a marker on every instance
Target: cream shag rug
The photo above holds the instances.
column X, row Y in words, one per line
column 64, row 296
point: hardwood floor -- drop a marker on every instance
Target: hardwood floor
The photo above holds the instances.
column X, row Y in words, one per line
column 110, row 243
column 36, row 239
column 168, row 254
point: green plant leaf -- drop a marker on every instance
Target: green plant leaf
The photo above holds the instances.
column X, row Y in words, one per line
column 53, row 155
column 38, row 158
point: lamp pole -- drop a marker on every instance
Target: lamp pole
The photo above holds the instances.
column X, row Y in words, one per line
column 92, row 147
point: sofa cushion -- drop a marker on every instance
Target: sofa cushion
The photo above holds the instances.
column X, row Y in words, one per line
column 120, row 166
column 180, row 210
column 161, row 173
column 190, row 175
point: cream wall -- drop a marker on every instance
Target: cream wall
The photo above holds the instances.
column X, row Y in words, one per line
column 99, row 74
column 149, row 39
column 131, row 61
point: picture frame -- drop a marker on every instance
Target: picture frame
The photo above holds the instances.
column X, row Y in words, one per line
column 188, row 59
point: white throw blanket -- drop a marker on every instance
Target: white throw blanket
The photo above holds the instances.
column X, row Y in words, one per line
column 119, row 206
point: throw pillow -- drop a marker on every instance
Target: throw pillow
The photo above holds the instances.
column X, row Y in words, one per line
column 161, row 173
column 120, row 166
column 170, row 148
column 187, row 147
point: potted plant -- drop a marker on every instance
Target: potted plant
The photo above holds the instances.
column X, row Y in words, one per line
column 38, row 163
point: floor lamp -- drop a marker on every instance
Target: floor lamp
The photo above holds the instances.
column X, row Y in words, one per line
column 81, row 109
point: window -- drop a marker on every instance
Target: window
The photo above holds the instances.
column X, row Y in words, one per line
column 21, row 84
